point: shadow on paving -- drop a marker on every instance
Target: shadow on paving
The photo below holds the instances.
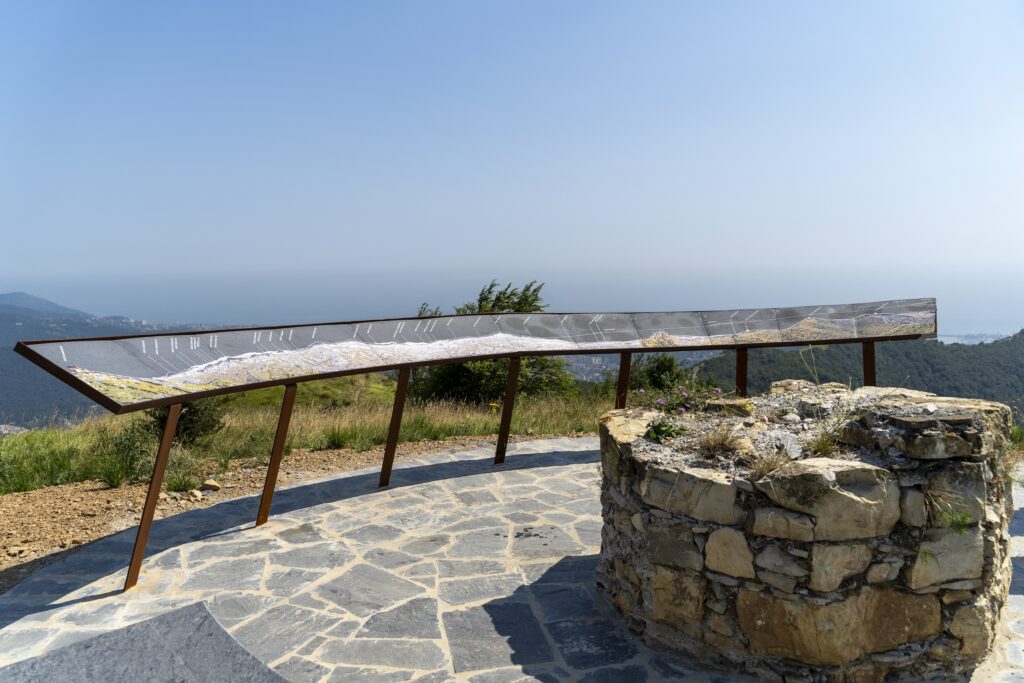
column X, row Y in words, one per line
column 109, row 556
column 184, row 645
column 556, row 628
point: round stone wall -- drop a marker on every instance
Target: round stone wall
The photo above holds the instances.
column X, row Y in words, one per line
column 886, row 558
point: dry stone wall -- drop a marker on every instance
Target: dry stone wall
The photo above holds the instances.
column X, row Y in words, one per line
column 886, row 558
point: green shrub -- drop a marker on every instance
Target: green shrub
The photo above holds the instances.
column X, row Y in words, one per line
column 183, row 472
column 661, row 430
column 198, row 419
column 124, row 455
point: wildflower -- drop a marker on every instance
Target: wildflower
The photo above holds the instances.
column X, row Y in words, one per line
column 640, row 391
column 682, row 409
column 660, row 401
column 717, row 390
column 684, row 393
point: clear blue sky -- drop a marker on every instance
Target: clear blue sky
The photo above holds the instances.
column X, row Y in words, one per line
column 269, row 161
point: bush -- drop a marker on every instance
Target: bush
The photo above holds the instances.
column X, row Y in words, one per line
column 658, row 372
column 198, row 419
column 183, row 472
column 124, row 454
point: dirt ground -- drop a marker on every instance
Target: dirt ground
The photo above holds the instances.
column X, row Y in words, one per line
column 43, row 526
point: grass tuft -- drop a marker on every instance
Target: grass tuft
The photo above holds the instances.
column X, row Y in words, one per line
column 718, row 442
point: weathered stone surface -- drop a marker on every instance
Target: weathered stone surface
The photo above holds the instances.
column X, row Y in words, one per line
column 704, row 494
column 912, row 507
column 934, row 444
column 832, row 564
column 974, row 624
column 727, row 552
column 849, row 500
column 618, row 429
column 774, row 559
column 873, row 620
column 740, row 407
column 782, row 523
column 677, row 598
column 882, row 571
column 786, row 584
column 674, row 547
column 959, row 492
column 945, row 555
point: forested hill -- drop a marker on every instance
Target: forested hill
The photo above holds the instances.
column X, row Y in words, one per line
column 994, row 370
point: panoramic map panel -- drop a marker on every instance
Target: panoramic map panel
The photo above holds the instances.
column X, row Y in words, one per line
column 819, row 323
column 601, row 330
column 526, row 332
column 745, row 326
column 136, row 370
column 670, row 329
column 895, row 318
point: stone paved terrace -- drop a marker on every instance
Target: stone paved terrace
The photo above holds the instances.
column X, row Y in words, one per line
column 461, row 571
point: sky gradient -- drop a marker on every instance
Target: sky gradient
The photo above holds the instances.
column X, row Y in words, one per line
column 284, row 162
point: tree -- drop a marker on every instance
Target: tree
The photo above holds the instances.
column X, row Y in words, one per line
column 483, row 381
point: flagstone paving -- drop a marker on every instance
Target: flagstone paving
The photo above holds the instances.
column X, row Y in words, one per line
column 460, row 571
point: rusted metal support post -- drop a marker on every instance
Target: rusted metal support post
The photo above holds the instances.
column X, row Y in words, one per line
column 275, row 454
column 741, row 371
column 148, row 510
column 396, row 426
column 869, row 363
column 622, row 389
column 506, row 409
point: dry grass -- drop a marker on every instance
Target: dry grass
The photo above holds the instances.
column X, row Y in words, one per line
column 718, row 442
column 763, row 464
column 58, row 456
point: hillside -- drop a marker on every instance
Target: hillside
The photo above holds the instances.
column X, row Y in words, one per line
column 993, row 370
column 29, row 395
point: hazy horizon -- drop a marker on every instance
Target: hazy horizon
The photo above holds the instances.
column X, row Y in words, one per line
column 318, row 297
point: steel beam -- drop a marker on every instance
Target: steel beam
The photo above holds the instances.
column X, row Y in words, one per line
column 506, row 409
column 275, row 454
column 741, row 371
column 396, row 426
column 155, row 481
column 869, row 363
column 622, row 388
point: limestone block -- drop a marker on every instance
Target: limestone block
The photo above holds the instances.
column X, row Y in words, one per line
column 959, row 490
column 945, row 555
column 774, row 559
column 677, row 598
column 740, row 407
column 704, row 494
column 934, row 444
column 974, row 624
column 912, row 508
column 849, row 500
column 786, row 584
column 832, row 564
column 782, row 523
column 618, row 429
column 727, row 552
column 882, row 571
column 674, row 547
column 873, row 620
